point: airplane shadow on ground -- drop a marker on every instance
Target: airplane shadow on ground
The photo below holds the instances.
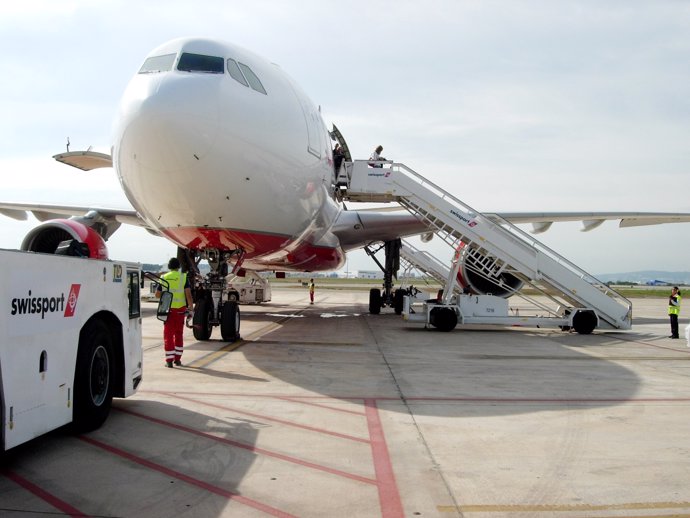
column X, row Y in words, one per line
column 646, row 320
column 172, row 448
column 275, row 314
column 148, row 311
column 205, row 371
column 479, row 371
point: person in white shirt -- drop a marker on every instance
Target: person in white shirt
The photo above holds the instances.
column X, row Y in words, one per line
column 376, row 156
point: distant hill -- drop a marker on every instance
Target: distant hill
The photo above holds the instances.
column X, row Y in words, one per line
column 681, row 278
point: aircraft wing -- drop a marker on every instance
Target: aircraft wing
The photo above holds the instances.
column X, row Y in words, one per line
column 542, row 221
column 108, row 219
column 356, row 228
column 46, row 211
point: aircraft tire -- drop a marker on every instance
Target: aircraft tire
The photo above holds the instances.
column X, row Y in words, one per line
column 230, row 321
column 398, row 301
column 93, row 377
column 443, row 319
column 584, row 321
column 374, row 301
column 201, row 323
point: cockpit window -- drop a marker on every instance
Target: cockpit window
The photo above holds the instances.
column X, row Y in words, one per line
column 200, row 63
column 235, row 73
column 155, row 64
column 251, row 77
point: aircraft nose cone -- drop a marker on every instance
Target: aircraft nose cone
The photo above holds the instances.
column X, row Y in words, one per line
column 172, row 124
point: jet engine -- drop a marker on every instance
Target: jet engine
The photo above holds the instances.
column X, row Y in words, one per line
column 484, row 276
column 65, row 237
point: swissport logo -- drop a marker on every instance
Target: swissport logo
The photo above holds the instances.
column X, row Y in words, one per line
column 470, row 222
column 72, row 300
column 37, row 305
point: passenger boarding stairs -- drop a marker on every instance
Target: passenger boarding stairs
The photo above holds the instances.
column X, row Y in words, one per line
column 490, row 247
column 427, row 263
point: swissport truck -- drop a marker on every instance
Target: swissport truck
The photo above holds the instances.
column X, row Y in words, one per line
column 70, row 341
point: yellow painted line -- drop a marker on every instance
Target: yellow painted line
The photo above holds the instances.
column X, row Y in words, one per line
column 292, row 342
column 211, row 357
column 565, row 508
column 273, row 326
column 684, row 515
column 251, row 337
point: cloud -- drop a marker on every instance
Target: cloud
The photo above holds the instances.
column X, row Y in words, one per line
column 524, row 105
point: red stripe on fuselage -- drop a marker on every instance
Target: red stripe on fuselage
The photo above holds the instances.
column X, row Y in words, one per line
column 261, row 250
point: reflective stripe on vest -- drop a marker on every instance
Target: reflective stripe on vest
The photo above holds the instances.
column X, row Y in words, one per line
column 675, row 310
column 176, row 282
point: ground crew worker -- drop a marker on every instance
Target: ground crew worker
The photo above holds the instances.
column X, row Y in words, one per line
column 182, row 304
column 311, row 290
column 674, row 310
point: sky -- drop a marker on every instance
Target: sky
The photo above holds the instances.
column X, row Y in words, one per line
column 522, row 105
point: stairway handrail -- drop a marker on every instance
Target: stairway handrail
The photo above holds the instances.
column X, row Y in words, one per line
column 518, row 235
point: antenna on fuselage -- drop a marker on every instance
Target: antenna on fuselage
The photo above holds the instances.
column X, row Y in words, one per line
column 68, row 144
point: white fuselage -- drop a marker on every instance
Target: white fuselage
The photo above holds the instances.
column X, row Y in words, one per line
column 210, row 161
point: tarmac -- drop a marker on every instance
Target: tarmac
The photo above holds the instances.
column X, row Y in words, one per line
column 326, row 411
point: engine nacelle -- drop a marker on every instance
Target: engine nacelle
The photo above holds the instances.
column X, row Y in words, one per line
column 504, row 285
column 66, row 237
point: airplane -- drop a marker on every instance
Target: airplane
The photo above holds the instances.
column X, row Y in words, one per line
column 220, row 151
column 657, row 282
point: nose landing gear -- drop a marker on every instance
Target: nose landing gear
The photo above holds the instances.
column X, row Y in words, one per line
column 214, row 304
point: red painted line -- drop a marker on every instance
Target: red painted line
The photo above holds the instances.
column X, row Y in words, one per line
column 296, row 397
column 546, row 400
column 389, row 496
column 267, row 418
column 253, row 449
column 440, row 399
column 186, row 478
column 44, row 495
column 327, row 407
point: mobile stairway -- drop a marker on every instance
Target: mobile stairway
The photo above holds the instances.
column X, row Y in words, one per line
column 413, row 257
column 488, row 249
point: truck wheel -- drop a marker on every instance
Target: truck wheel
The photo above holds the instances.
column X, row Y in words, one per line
column 374, row 301
column 230, row 322
column 93, row 377
column 443, row 319
column 201, row 323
